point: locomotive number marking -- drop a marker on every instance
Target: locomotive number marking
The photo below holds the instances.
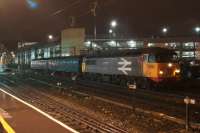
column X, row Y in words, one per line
column 124, row 68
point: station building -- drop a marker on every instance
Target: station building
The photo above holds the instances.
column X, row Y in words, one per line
column 186, row 48
column 74, row 42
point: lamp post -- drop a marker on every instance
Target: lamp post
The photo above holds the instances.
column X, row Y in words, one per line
column 187, row 102
column 50, row 37
column 113, row 25
column 165, row 30
column 93, row 10
column 110, row 33
column 197, row 30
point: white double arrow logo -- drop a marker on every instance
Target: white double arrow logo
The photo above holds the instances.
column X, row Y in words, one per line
column 125, row 65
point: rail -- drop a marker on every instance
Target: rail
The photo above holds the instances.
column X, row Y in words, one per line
column 78, row 120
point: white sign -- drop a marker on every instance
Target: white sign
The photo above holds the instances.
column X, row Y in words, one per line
column 125, row 65
column 132, row 86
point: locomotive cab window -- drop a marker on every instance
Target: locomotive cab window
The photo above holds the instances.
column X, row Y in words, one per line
column 145, row 57
column 166, row 58
column 152, row 58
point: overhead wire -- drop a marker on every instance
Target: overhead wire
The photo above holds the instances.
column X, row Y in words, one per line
column 72, row 5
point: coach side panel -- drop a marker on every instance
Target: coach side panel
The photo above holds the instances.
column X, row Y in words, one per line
column 39, row 64
column 65, row 65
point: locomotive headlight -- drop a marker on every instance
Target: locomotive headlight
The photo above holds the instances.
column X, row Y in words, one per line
column 177, row 71
column 161, row 72
column 170, row 65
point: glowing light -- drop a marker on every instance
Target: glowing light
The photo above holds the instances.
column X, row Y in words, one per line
column 88, row 43
column 177, row 71
column 50, row 37
column 170, row 65
column 32, row 4
column 94, row 45
column 197, row 29
column 113, row 24
column 112, row 43
column 164, row 30
column 161, row 72
column 110, row 31
column 150, row 44
column 131, row 43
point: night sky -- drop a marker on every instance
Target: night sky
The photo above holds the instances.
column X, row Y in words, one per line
column 33, row 20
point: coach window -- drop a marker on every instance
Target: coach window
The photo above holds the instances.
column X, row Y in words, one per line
column 152, row 58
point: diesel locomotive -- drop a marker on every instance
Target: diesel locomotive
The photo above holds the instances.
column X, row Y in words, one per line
column 141, row 67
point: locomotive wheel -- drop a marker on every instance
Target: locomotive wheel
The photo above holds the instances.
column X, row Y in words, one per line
column 139, row 84
column 148, row 84
column 189, row 74
column 123, row 82
column 145, row 83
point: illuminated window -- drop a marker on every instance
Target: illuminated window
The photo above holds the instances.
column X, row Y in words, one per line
column 188, row 54
column 131, row 44
column 46, row 53
column 188, row 45
column 32, row 54
column 151, row 44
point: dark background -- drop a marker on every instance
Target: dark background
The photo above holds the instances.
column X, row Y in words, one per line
column 136, row 18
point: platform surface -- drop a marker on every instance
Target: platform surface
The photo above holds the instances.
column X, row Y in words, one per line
column 24, row 119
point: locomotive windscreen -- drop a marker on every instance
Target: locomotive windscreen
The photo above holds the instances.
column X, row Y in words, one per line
column 163, row 58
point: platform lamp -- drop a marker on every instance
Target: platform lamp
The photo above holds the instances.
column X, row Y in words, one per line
column 113, row 25
column 197, row 30
column 50, row 37
column 165, row 30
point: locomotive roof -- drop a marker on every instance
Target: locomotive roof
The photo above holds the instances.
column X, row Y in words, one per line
column 132, row 52
column 158, row 50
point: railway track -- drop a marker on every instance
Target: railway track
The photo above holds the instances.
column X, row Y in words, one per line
column 77, row 120
column 123, row 93
column 172, row 96
column 170, row 104
column 173, row 110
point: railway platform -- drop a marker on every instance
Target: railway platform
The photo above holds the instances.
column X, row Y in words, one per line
column 17, row 116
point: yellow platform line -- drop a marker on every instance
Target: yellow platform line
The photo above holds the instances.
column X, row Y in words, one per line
column 6, row 126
